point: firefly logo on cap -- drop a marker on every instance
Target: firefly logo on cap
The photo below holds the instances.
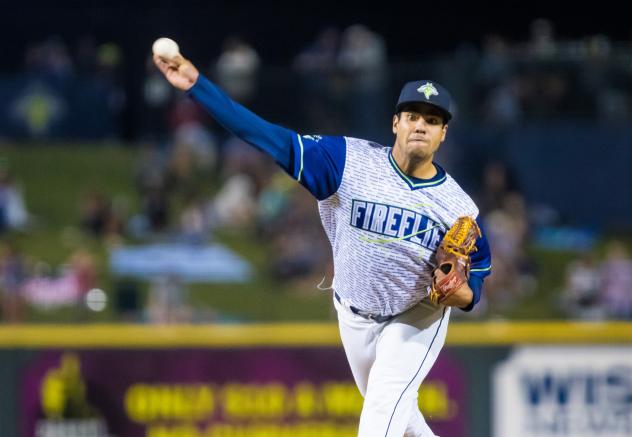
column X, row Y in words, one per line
column 428, row 90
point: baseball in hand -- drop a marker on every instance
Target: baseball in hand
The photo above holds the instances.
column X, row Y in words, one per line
column 165, row 48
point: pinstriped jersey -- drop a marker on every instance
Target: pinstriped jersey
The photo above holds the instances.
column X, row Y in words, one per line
column 385, row 227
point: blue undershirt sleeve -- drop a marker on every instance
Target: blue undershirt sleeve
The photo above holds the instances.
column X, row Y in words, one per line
column 314, row 161
column 480, row 268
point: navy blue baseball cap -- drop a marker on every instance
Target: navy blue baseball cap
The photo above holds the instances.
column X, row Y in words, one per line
column 426, row 91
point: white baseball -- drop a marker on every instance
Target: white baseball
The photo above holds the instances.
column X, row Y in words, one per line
column 165, row 48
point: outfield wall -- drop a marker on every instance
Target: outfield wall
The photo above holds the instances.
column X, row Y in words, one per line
column 492, row 379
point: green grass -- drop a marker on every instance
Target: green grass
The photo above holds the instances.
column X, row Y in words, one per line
column 54, row 179
column 262, row 299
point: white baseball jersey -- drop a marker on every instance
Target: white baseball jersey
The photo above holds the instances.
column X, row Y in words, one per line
column 384, row 232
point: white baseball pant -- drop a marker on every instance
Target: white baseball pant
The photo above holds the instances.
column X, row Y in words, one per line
column 389, row 361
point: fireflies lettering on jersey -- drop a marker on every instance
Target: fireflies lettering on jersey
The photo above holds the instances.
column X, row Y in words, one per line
column 396, row 223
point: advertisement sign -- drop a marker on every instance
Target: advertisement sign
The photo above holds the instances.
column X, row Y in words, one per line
column 568, row 391
column 213, row 393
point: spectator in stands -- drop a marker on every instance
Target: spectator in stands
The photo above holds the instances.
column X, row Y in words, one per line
column 237, row 69
column 616, row 288
column 363, row 58
column 82, row 266
column 363, row 55
column 245, row 174
column 542, row 43
column 168, row 301
column 157, row 209
column 322, row 84
column 12, row 277
column 505, row 218
column 193, row 147
column 157, row 99
column 101, row 218
column 13, row 213
column 300, row 247
column 51, row 62
column 194, row 221
column 95, row 213
column 580, row 296
column 234, row 205
column 321, row 55
column 507, row 231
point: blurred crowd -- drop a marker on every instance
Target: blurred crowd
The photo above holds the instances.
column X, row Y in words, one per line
column 547, row 76
column 598, row 288
column 343, row 80
column 506, row 222
column 194, row 180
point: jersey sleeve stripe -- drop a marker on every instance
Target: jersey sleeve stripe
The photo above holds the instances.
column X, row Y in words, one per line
column 300, row 171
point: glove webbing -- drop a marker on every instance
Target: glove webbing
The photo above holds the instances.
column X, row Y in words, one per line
column 460, row 240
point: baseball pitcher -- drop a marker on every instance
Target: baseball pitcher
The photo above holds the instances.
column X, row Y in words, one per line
column 406, row 240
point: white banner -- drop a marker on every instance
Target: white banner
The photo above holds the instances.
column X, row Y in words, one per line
column 555, row 391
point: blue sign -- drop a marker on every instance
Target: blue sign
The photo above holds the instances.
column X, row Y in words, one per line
column 190, row 263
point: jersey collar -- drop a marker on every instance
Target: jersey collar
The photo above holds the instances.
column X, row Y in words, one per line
column 416, row 183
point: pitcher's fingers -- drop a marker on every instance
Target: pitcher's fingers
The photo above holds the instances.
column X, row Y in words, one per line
column 166, row 64
column 161, row 64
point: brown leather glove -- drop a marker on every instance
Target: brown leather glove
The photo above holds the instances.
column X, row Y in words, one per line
column 453, row 258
